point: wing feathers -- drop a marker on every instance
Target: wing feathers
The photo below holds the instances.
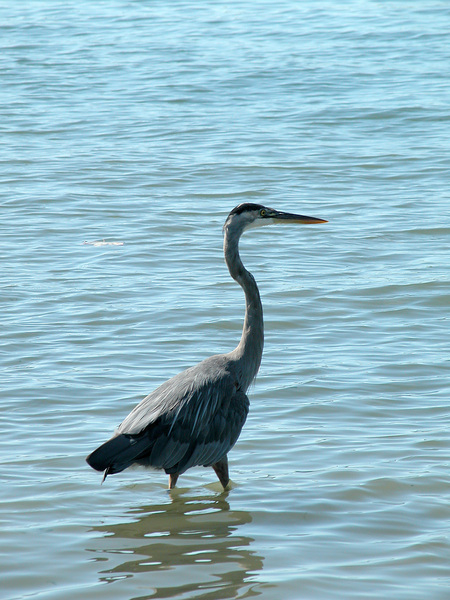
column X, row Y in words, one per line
column 118, row 453
column 193, row 419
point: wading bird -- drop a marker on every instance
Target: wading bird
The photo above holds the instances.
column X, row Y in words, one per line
column 196, row 417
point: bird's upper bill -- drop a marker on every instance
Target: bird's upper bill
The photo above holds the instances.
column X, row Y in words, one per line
column 284, row 217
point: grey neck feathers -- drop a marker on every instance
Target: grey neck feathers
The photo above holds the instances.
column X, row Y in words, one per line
column 249, row 350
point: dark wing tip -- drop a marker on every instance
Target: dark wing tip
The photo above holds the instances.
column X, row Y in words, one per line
column 117, row 454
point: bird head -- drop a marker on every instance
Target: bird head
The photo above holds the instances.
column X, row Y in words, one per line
column 248, row 215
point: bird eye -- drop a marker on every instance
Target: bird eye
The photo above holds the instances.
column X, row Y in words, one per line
column 262, row 212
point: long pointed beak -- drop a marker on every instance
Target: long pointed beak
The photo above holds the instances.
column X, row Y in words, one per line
column 284, row 217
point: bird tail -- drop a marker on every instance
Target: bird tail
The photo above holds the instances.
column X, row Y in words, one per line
column 117, row 454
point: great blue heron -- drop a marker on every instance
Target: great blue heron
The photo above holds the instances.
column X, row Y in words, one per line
column 196, row 417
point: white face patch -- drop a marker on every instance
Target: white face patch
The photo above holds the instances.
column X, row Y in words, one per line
column 259, row 222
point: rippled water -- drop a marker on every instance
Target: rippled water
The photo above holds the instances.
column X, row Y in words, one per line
column 145, row 123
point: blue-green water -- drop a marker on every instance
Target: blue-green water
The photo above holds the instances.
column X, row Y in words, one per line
column 145, row 123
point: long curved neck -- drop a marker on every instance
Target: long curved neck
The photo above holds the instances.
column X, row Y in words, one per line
column 249, row 351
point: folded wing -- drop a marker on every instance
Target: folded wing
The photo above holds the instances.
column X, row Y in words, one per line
column 193, row 419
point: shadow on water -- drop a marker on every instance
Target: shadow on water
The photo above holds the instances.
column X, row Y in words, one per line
column 188, row 545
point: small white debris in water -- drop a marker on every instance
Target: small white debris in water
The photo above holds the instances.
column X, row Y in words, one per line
column 103, row 243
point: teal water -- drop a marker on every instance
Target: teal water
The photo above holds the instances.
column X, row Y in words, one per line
column 144, row 124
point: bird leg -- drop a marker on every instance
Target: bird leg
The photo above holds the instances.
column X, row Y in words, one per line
column 173, row 480
column 221, row 469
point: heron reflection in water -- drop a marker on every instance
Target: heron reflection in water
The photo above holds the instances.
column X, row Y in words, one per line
column 156, row 545
column 195, row 418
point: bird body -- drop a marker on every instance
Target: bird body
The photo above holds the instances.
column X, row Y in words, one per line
column 196, row 417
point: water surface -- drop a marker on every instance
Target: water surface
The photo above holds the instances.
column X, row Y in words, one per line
column 145, row 124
